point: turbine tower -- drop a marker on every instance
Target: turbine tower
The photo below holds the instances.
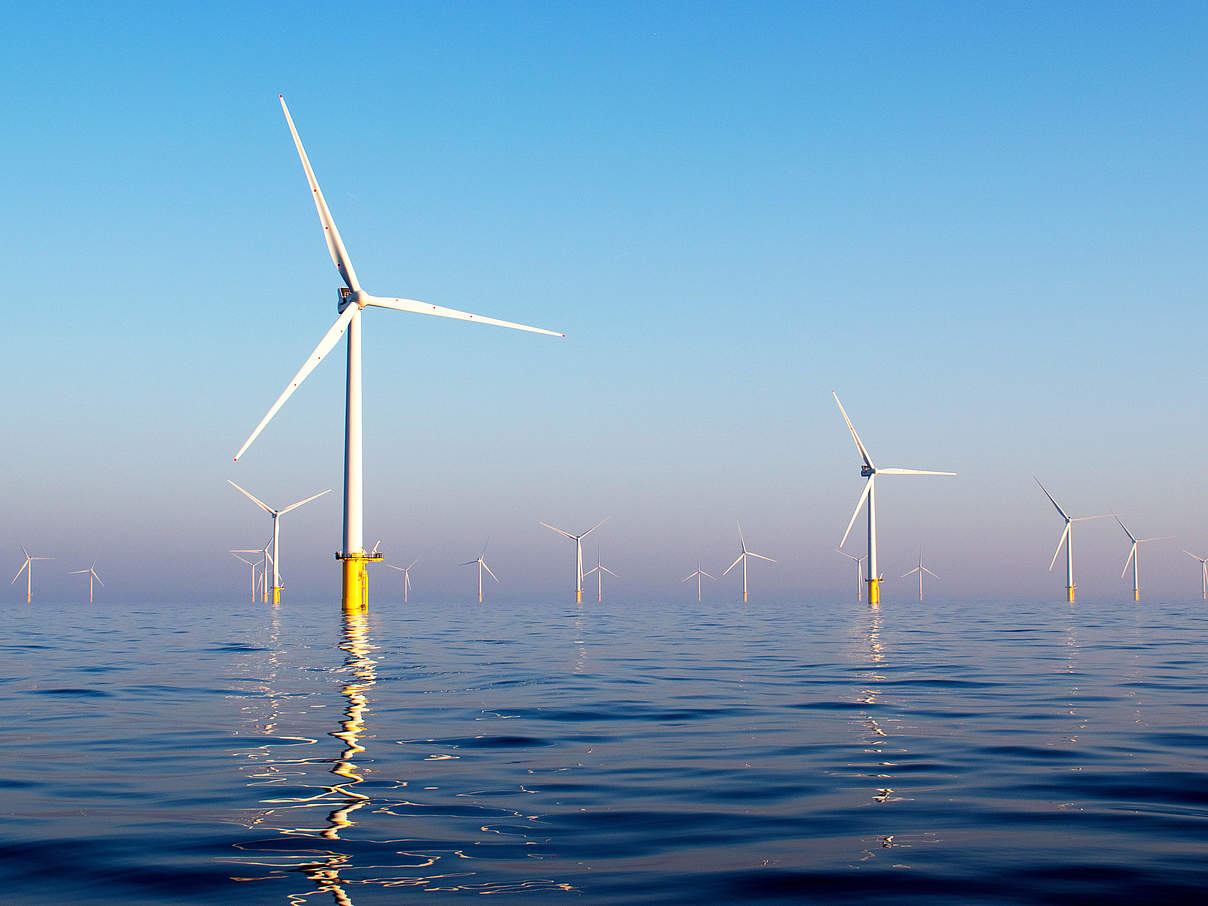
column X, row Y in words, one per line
column 276, row 514
column 27, row 568
column 869, row 471
column 697, row 576
column 578, row 539
column 91, row 571
column 599, row 569
column 352, row 301
column 1067, row 537
column 742, row 558
column 251, row 563
column 920, row 569
column 1134, row 557
column 859, row 573
column 482, row 564
column 406, row 571
column 1203, row 570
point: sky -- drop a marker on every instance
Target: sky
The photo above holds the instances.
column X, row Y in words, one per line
column 981, row 224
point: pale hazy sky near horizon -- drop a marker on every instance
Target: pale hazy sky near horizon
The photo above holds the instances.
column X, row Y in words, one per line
column 981, row 224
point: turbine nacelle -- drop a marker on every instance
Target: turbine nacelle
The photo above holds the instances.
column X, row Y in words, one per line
column 349, row 297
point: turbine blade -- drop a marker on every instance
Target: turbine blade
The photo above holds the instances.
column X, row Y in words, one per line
column 707, row 576
column 1060, row 542
column 1123, row 526
column 911, row 472
column 339, row 256
column 911, row 573
column 488, row 569
column 742, row 542
column 325, row 346
column 392, row 566
column 859, row 504
column 610, row 572
column 413, row 562
column 468, row 563
column 558, row 530
column 1084, row 518
column 427, row 308
column 855, row 436
column 1064, row 514
column 734, row 564
column 931, row 574
column 256, row 500
column 760, row 557
column 98, row 578
column 686, row 578
column 1132, row 553
column 590, row 571
column 21, row 570
column 76, row 572
column 594, row 527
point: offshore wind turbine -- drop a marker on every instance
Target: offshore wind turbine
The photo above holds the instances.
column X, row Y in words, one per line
column 406, row 571
column 920, row 569
column 1067, row 537
column 859, row 572
column 742, row 558
column 251, row 563
column 697, row 576
column 91, row 571
column 482, row 564
column 869, row 471
column 1134, row 557
column 578, row 539
column 276, row 514
column 599, row 569
column 27, row 568
column 352, row 302
column 1203, row 570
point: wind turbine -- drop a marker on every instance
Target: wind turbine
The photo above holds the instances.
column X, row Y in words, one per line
column 276, row 514
column 869, row 471
column 578, row 539
column 920, row 569
column 742, row 558
column 1067, row 536
column 91, row 571
column 1134, row 557
column 482, row 564
column 352, row 301
column 697, row 576
column 406, row 571
column 1203, row 569
column 251, row 563
column 599, row 569
column 859, row 572
column 27, row 568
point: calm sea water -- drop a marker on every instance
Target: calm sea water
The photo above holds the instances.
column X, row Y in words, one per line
column 662, row 753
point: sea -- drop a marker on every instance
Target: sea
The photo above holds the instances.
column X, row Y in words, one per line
column 654, row 753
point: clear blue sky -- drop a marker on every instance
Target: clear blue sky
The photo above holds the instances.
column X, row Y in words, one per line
column 983, row 224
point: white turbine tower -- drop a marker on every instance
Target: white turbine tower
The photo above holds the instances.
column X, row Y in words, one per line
column 27, row 568
column 859, row 561
column 1203, row 570
column 1134, row 557
column 406, row 571
column 578, row 539
column 742, row 558
column 920, row 569
column 91, row 572
column 599, row 569
column 276, row 514
column 353, row 300
column 1067, row 538
column 251, row 563
column 697, row 574
column 482, row 564
column 869, row 471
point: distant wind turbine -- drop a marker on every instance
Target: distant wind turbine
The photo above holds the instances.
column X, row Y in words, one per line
column 697, row 574
column 91, row 572
column 27, row 568
column 742, row 558
column 578, row 539
column 406, row 571
column 1134, row 557
column 869, row 471
column 599, row 569
column 1203, row 570
column 482, row 564
column 276, row 514
column 251, row 563
column 920, row 569
column 1067, row 538
column 353, row 300
column 859, row 573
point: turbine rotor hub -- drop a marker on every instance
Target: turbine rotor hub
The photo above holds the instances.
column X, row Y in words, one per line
column 867, row 471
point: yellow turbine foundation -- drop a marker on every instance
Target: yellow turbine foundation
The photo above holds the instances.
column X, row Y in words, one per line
column 1136, row 594
column 276, row 594
column 744, row 597
column 874, row 591
column 355, row 595
column 1069, row 593
column 578, row 596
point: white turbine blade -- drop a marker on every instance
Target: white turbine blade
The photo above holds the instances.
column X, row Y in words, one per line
column 1064, row 514
column 488, row 569
column 41, row 558
column 484, row 548
column 95, row 576
column 335, row 246
column 21, row 570
column 427, row 308
column 392, row 566
column 855, row 436
column 847, row 555
column 1123, row 526
column 594, row 527
column 468, row 563
column 1193, row 556
column 911, row 472
column 241, row 559
column 413, row 562
column 931, row 574
column 734, row 564
column 1084, row 518
column 558, row 530
column 254, row 499
column 325, row 346
column 294, row 506
column 1132, row 553
column 859, row 504
column 686, row 578
column 610, row 572
column 911, row 573
column 590, row 571
column 760, row 557
column 24, row 551
column 76, row 572
column 742, row 542
column 376, row 544
column 1060, row 541
column 1159, row 538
